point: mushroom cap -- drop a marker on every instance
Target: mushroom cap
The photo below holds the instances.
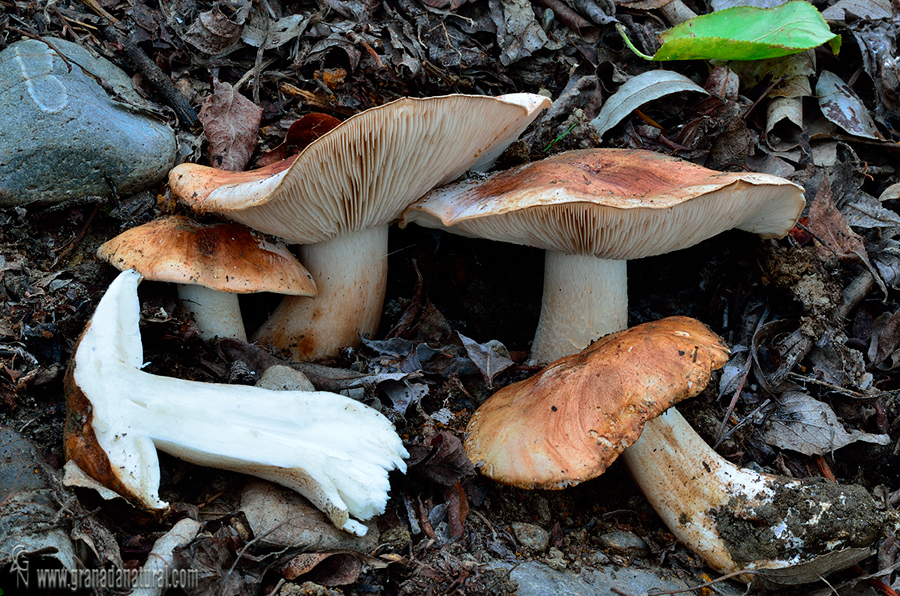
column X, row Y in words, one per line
column 611, row 203
column 364, row 172
column 223, row 256
column 569, row 422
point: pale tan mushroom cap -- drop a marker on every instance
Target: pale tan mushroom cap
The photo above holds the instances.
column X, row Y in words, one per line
column 225, row 257
column 611, row 203
column 364, row 172
column 569, row 422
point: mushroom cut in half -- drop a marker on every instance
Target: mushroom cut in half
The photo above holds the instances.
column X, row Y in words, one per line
column 592, row 211
column 340, row 194
column 566, row 424
column 331, row 449
column 569, row 422
column 210, row 264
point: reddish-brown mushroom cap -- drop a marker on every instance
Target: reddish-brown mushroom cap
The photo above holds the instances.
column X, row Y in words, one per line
column 569, row 422
column 364, row 172
column 226, row 257
column 611, row 204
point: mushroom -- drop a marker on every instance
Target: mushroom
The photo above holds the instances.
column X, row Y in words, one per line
column 339, row 195
column 594, row 209
column 210, row 264
column 566, row 424
column 334, row 451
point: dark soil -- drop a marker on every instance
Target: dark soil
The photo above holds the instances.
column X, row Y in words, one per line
column 50, row 282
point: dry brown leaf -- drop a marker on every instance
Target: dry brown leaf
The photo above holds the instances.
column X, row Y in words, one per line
column 213, row 33
column 301, row 133
column 518, row 32
column 448, row 4
column 491, row 357
column 841, row 105
column 886, row 339
column 326, row 569
column 832, row 230
column 806, row 425
column 231, row 123
column 442, row 460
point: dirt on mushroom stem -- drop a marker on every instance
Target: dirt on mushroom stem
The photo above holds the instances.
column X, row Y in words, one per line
column 816, row 513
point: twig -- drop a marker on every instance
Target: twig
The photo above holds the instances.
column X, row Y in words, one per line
column 154, row 75
column 745, row 420
column 277, row 587
column 707, row 584
column 762, row 96
column 824, row 468
column 572, row 19
column 734, row 399
column 78, row 237
column 33, row 35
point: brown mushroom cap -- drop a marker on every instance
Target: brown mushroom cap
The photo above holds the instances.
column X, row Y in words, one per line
column 364, row 172
column 612, row 204
column 569, row 422
column 223, row 256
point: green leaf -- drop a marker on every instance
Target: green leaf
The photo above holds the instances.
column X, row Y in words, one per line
column 746, row 33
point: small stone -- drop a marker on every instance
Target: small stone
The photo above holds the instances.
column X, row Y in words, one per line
column 555, row 559
column 65, row 137
column 624, row 543
column 284, row 378
column 530, row 536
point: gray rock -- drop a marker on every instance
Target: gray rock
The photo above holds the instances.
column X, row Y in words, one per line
column 531, row 536
column 624, row 543
column 284, row 378
column 537, row 579
column 62, row 136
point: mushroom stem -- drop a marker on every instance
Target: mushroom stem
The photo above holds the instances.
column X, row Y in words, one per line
column 217, row 314
column 350, row 271
column 584, row 299
column 736, row 518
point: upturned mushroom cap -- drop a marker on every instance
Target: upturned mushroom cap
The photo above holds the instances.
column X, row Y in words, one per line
column 569, row 422
column 611, row 203
column 224, row 256
column 364, row 172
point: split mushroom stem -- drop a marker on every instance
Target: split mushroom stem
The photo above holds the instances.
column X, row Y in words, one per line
column 334, row 451
column 351, row 276
column 736, row 518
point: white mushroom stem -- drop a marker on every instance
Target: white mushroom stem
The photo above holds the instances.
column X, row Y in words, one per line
column 736, row 518
column 333, row 450
column 217, row 314
column 584, row 299
column 350, row 271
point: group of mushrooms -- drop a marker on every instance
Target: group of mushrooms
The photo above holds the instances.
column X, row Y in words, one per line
column 590, row 210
